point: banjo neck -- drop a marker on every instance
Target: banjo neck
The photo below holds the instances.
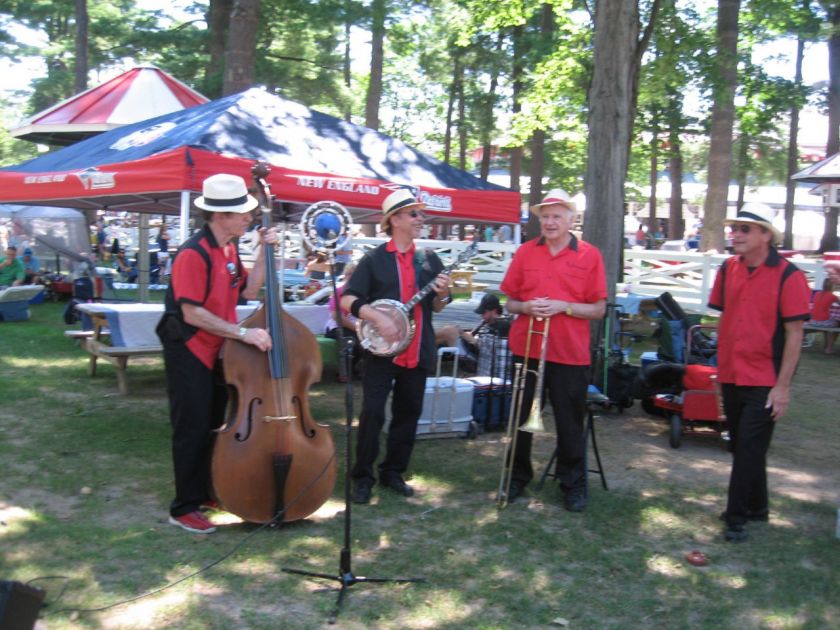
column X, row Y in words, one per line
column 417, row 297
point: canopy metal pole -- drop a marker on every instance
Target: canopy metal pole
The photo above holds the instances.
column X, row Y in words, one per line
column 143, row 260
column 185, row 215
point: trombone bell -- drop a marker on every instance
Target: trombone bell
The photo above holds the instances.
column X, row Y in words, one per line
column 535, row 421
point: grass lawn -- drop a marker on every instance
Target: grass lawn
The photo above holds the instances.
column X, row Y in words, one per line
column 87, row 481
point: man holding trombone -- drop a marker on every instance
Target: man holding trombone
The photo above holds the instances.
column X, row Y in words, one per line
column 555, row 284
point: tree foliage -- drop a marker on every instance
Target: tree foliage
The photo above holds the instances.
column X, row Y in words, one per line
column 468, row 78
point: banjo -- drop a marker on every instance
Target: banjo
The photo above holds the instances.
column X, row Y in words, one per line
column 401, row 316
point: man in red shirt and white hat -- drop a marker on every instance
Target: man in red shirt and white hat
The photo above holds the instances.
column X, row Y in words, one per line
column 763, row 299
column 560, row 279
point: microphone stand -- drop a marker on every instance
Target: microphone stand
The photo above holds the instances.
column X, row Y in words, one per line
column 346, row 578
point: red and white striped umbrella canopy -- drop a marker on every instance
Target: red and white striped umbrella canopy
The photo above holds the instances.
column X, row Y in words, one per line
column 138, row 94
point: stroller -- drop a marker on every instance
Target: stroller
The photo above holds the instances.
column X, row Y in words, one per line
column 683, row 388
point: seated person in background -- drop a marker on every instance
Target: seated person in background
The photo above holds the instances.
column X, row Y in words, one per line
column 641, row 236
column 12, row 272
column 127, row 270
column 348, row 322
column 832, row 268
column 820, row 316
column 317, row 266
column 31, row 267
column 492, row 322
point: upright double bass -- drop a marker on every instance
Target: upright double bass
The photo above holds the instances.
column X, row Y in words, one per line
column 271, row 460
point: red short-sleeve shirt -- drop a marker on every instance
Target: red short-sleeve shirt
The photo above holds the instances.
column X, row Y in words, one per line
column 218, row 294
column 575, row 274
column 754, row 307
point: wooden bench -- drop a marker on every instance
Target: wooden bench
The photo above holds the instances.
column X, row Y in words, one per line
column 78, row 335
column 809, row 330
column 116, row 355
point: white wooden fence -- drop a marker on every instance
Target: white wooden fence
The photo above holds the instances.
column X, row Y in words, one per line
column 688, row 276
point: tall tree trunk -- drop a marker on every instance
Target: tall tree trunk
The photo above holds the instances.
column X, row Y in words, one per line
column 218, row 20
column 347, row 63
column 454, row 89
column 653, row 176
column 488, row 124
column 379, row 9
column 241, row 50
column 517, row 71
column 793, row 150
column 610, row 97
column 462, row 123
column 81, row 69
column 829, row 239
column 538, row 137
column 676, row 225
column 743, row 147
column 723, row 116
column 536, row 172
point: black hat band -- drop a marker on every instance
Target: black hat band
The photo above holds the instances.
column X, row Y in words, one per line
column 402, row 204
column 223, row 203
column 750, row 215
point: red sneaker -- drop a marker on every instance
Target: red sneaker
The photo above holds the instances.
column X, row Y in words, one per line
column 194, row 522
column 210, row 504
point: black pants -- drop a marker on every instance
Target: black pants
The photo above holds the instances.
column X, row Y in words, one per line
column 409, row 385
column 565, row 388
column 750, row 430
column 197, row 400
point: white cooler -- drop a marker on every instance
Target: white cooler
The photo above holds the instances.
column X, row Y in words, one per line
column 447, row 406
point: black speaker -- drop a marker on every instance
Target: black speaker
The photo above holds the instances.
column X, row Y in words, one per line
column 19, row 605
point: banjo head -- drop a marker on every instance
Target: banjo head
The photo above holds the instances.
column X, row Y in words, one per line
column 369, row 337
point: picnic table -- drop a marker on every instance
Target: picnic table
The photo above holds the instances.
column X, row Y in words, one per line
column 118, row 332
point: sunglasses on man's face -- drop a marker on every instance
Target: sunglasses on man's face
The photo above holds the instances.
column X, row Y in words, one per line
column 743, row 228
column 414, row 214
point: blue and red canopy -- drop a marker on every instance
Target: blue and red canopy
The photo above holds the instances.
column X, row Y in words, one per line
column 146, row 166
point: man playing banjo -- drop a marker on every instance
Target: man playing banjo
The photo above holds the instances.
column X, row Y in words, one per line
column 395, row 270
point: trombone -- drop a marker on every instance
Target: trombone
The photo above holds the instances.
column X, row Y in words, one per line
column 535, row 422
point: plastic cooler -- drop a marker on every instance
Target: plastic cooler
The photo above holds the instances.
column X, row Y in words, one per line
column 491, row 402
column 447, row 406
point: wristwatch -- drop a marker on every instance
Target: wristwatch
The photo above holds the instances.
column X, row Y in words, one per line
column 568, row 309
column 242, row 332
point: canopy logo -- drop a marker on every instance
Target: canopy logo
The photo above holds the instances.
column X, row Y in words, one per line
column 441, row 203
column 142, row 137
column 93, row 179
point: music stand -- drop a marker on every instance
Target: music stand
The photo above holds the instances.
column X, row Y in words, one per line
column 346, row 578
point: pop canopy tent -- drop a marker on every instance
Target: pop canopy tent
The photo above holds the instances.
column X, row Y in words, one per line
column 138, row 94
column 156, row 166
column 52, row 233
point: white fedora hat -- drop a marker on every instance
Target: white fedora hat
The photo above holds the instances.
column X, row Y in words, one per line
column 758, row 213
column 225, row 193
column 556, row 195
column 396, row 201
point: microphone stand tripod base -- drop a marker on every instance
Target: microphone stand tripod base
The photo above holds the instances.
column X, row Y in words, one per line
column 345, row 573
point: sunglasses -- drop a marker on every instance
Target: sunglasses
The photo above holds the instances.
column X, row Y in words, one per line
column 414, row 214
column 743, row 228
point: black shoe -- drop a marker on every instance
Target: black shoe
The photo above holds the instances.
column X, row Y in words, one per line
column 575, row 501
column 735, row 533
column 759, row 517
column 396, row 483
column 362, row 491
column 516, row 489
